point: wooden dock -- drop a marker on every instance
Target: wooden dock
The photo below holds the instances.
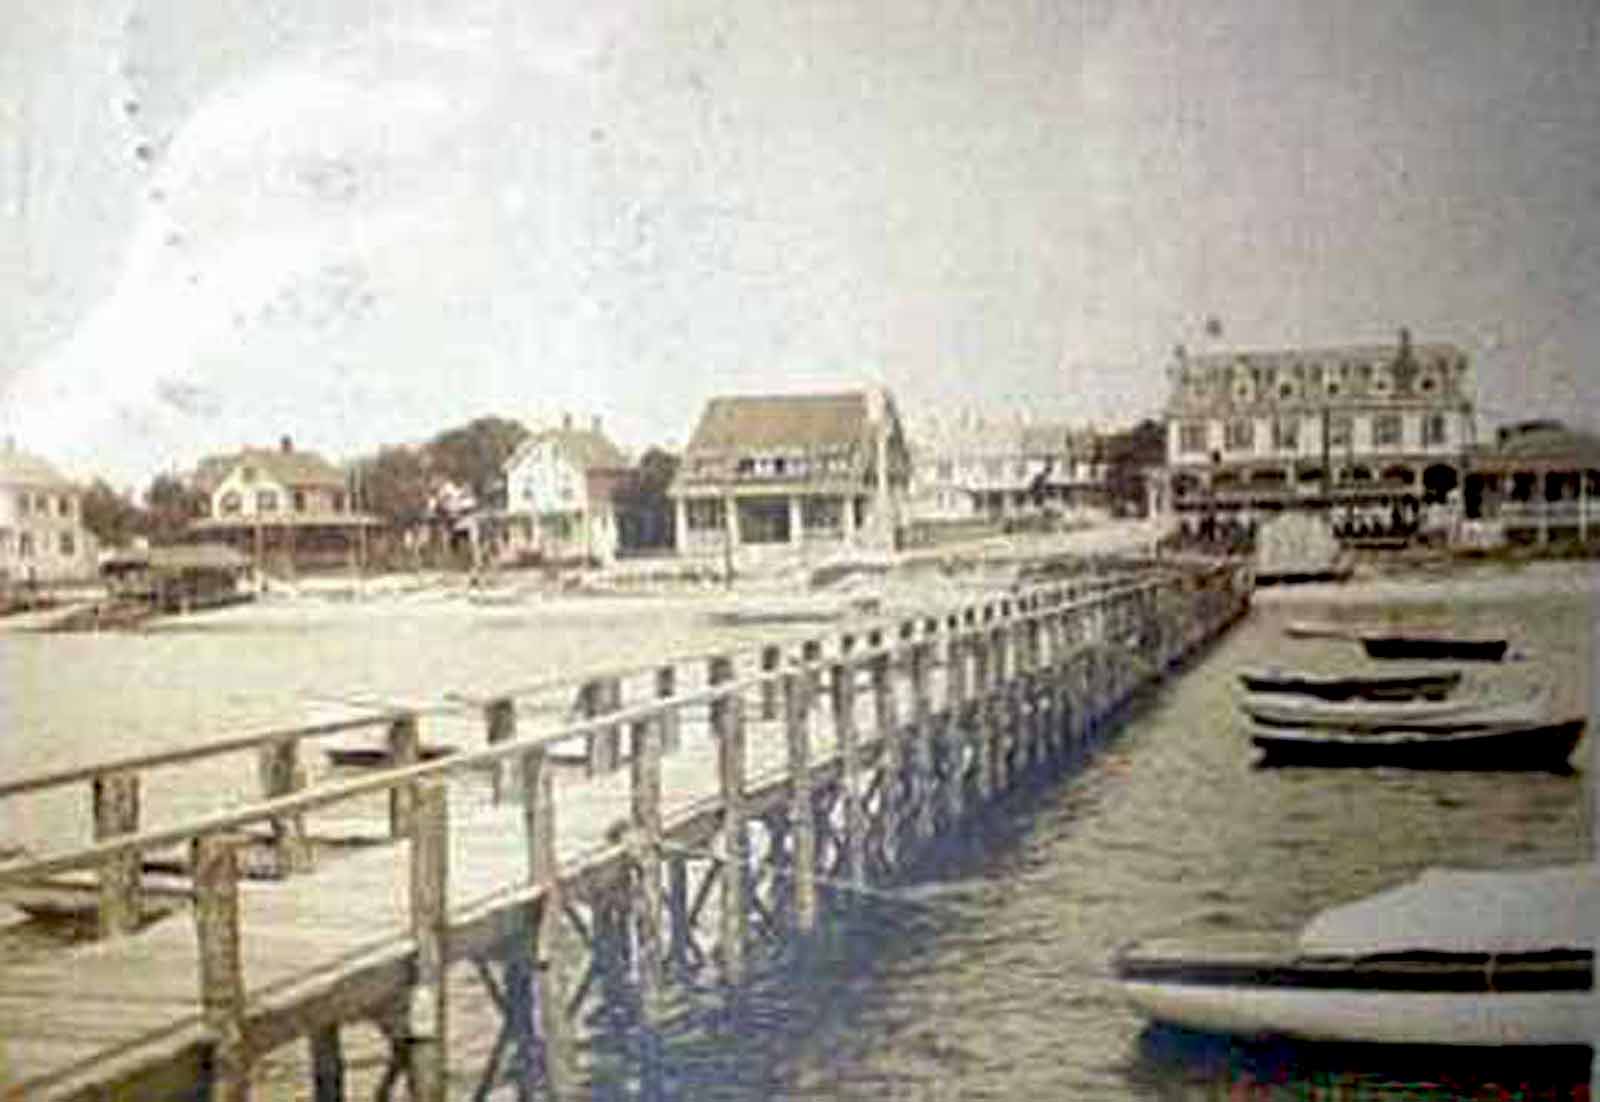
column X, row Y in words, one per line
column 686, row 818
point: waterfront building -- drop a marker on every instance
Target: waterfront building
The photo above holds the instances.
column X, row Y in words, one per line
column 282, row 506
column 792, row 471
column 42, row 538
column 1538, row 483
column 977, row 465
column 1356, row 427
column 560, row 489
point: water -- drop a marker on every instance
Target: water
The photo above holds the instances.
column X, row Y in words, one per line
column 988, row 978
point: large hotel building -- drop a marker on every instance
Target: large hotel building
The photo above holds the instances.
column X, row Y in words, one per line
column 1360, row 426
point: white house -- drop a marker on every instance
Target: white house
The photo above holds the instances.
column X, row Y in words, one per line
column 42, row 537
column 559, row 488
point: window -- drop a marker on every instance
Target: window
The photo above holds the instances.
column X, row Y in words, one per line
column 704, row 514
column 25, row 545
column 64, row 506
column 266, row 501
column 1339, row 432
column 338, row 503
column 1387, row 430
column 1286, row 434
column 1192, row 437
column 1435, row 429
column 69, row 546
column 24, row 499
column 5, row 541
column 299, row 501
column 1240, row 436
column 231, row 503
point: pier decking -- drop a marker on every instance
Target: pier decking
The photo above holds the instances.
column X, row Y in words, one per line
column 688, row 816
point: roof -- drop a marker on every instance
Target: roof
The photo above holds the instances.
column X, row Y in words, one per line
column 200, row 556
column 290, row 468
column 1354, row 352
column 588, row 449
column 772, row 422
column 19, row 468
column 1548, row 440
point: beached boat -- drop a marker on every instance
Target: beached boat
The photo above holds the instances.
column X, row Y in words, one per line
column 1320, row 629
column 1452, row 958
column 1455, row 714
column 1427, row 684
column 1544, row 744
column 1434, row 647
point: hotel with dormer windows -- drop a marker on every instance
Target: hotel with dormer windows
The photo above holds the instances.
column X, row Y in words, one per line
column 1360, row 427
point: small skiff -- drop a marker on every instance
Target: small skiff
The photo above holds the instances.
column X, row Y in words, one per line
column 1434, row 647
column 1429, row 684
column 1530, row 746
column 1437, row 716
column 1459, row 958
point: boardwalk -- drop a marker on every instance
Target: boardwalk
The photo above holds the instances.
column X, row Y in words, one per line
column 568, row 870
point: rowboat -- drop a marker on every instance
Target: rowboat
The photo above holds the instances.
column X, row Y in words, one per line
column 1527, row 746
column 1430, row 684
column 1320, row 629
column 1434, row 647
column 1455, row 714
column 1486, row 959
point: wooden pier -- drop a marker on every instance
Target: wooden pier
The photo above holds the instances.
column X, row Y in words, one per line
column 686, row 822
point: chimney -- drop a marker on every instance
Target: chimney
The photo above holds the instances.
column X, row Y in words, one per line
column 566, row 421
column 285, row 444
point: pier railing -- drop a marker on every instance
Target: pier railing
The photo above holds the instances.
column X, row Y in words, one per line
column 850, row 749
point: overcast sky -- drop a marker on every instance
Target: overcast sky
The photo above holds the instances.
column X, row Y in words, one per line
column 363, row 222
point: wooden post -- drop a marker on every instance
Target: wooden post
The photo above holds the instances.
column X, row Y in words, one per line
column 327, row 1064
column 278, row 766
column 671, row 723
column 599, row 697
column 115, row 798
column 727, row 724
column 559, row 958
column 647, row 896
column 500, row 723
column 981, row 687
column 771, row 660
column 405, row 748
column 843, row 682
column 427, row 1021
column 955, row 734
column 924, row 788
column 216, row 916
column 797, row 692
column 893, row 768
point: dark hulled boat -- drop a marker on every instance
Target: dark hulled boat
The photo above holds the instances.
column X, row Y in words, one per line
column 1429, row 685
column 1530, row 746
column 1434, row 647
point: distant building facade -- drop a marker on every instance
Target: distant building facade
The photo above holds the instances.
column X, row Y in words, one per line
column 1359, row 426
column 560, row 489
column 283, row 507
column 1539, row 482
column 792, row 471
column 42, row 538
column 973, row 465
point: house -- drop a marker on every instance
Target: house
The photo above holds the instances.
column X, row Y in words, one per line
column 999, row 467
column 42, row 538
column 792, row 471
column 281, row 506
column 1353, row 427
column 560, row 486
column 1540, row 482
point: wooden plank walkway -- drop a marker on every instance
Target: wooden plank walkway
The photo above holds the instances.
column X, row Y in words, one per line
column 129, row 1017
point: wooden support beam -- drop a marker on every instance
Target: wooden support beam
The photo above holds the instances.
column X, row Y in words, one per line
column 500, row 725
column 115, row 797
column 728, row 726
column 771, row 660
column 646, row 894
column 216, row 916
column 671, row 721
column 843, row 681
column 327, row 1064
column 278, row 767
column 893, row 759
column 798, row 691
column 923, row 786
column 599, row 697
column 955, row 734
column 558, row 955
column 983, row 719
column 427, row 1022
column 405, row 748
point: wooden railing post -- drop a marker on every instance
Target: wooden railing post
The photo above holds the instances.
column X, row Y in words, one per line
column 728, row 727
column 955, row 732
column 500, row 725
column 216, row 915
column 600, row 697
column 116, row 811
column 281, row 774
column 888, row 725
column 405, row 748
column 559, row 958
column 427, row 1023
column 647, row 897
column 771, row 660
column 843, row 682
column 924, row 789
column 798, row 689
column 671, row 723
column 984, row 720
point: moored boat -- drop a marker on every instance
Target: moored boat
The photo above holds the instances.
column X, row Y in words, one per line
column 1455, row 714
column 1428, row 684
column 1320, row 629
column 1432, row 646
column 1527, row 746
column 1452, row 958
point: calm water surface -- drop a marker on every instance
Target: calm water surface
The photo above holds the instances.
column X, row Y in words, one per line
column 987, row 979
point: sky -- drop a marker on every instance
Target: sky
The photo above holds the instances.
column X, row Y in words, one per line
column 359, row 222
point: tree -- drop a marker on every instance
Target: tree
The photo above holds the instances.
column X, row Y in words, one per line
column 113, row 518
column 644, row 511
column 1129, row 455
column 170, row 505
column 474, row 455
column 394, row 484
